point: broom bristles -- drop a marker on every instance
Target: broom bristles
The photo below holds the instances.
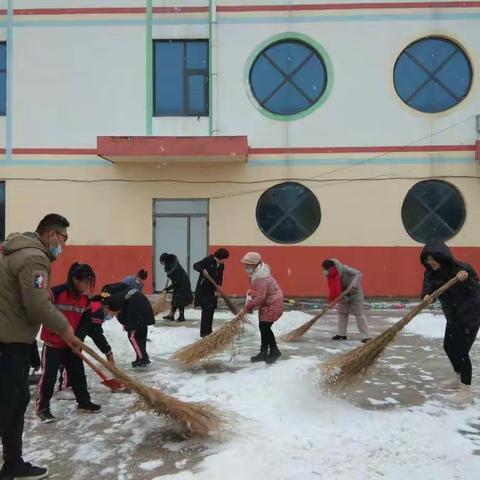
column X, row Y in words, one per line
column 300, row 331
column 347, row 368
column 161, row 304
column 197, row 418
column 212, row 344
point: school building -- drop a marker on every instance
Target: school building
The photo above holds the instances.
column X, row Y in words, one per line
column 300, row 129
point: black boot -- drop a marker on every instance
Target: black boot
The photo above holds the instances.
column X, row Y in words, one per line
column 89, row 407
column 22, row 469
column 170, row 317
column 181, row 318
column 339, row 337
column 261, row 356
column 275, row 354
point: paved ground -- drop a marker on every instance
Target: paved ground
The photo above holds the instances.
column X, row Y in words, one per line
column 124, row 444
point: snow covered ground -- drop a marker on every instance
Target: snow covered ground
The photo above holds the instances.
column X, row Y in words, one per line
column 394, row 425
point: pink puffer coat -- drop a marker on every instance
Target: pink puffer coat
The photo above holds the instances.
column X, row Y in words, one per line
column 266, row 295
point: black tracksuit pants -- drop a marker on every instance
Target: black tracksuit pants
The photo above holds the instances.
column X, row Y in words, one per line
column 206, row 321
column 52, row 358
column 457, row 344
column 138, row 340
column 14, row 397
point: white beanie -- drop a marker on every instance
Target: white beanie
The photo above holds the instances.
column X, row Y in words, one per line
column 251, row 258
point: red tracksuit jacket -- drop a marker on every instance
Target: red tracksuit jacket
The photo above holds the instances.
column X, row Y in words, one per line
column 72, row 307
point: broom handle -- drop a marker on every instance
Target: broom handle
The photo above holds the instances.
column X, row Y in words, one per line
column 327, row 307
column 414, row 312
column 91, row 365
column 227, row 299
column 111, row 368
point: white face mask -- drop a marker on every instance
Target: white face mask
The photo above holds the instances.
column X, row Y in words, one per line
column 325, row 273
column 249, row 269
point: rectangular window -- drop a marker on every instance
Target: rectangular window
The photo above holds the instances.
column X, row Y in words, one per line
column 3, row 79
column 181, row 78
column 2, row 211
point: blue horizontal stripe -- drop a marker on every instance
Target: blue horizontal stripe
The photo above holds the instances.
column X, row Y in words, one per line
column 306, row 162
column 40, row 162
column 104, row 23
column 405, row 17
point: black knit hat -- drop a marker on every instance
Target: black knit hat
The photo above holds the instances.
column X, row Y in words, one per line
column 115, row 302
column 143, row 274
column 222, row 254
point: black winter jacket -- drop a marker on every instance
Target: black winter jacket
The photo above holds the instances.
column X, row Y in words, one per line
column 182, row 289
column 205, row 293
column 91, row 325
column 461, row 302
column 137, row 311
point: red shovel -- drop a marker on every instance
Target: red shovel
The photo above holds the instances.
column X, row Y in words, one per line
column 112, row 383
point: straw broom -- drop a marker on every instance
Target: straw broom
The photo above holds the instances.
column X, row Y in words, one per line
column 161, row 304
column 212, row 344
column 232, row 307
column 347, row 368
column 300, row 331
column 197, row 418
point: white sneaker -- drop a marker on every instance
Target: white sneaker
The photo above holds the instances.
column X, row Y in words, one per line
column 462, row 397
column 452, row 383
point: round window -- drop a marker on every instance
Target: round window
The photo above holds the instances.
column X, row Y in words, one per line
column 288, row 77
column 432, row 75
column 288, row 213
column 433, row 210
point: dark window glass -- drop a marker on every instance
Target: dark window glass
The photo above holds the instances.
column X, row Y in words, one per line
column 432, row 75
column 2, row 211
column 181, row 77
column 288, row 213
column 433, row 210
column 288, row 77
column 3, row 79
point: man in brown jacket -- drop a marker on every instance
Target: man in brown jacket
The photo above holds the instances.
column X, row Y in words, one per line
column 25, row 305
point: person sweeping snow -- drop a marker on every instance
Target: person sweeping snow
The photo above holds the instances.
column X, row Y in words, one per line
column 461, row 307
column 267, row 296
column 134, row 311
column 347, row 280
column 206, row 293
column 181, row 287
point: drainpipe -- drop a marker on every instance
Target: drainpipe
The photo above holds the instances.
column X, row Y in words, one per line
column 149, row 68
column 212, row 65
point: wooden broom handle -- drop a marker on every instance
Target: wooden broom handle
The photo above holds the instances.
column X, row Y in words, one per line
column 111, row 368
column 227, row 299
column 414, row 312
column 91, row 365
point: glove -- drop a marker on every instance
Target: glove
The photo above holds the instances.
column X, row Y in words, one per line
column 110, row 358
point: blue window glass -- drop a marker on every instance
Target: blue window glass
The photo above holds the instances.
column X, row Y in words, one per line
column 288, row 213
column 432, row 75
column 433, row 209
column 2, row 211
column 3, row 79
column 181, row 77
column 288, row 77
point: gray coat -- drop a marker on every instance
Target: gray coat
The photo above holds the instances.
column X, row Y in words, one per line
column 352, row 303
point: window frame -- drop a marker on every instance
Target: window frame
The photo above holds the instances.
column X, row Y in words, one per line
column 267, row 234
column 431, row 77
column 455, row 190
column 288, row 77
column 187, row 73
column 314, row 45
